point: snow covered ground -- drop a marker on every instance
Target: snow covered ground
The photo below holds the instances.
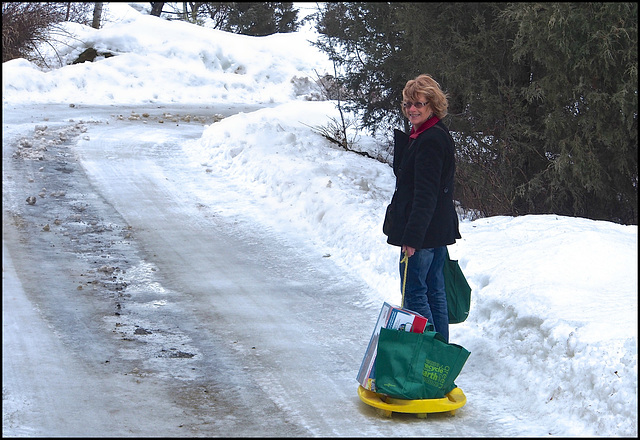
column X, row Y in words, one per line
column 554, row 302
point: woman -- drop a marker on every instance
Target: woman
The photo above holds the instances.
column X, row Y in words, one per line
column 421, row 218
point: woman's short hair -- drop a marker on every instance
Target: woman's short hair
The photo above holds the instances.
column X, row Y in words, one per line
column 424, row 87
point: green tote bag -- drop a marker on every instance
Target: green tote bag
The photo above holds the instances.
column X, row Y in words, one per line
column 458, row 291
column 417, row 366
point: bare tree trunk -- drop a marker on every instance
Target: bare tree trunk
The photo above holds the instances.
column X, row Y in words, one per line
column 97, row 15
column 156, row 8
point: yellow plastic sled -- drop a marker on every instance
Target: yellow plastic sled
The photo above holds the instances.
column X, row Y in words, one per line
column 388, row 405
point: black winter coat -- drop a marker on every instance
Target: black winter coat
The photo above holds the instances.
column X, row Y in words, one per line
column 422, row 214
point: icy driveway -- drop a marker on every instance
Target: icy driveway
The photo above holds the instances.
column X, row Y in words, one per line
column 135, row 304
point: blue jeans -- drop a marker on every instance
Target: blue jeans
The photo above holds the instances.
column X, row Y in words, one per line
column 424, row 290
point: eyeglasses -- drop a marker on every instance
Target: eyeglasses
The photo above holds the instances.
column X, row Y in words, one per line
column 408, row 105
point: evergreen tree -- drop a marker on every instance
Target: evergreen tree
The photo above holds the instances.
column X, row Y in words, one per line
column 366, row 43
column 261, row 18
column 584, row 77
column 248, row 18
column 543, row 96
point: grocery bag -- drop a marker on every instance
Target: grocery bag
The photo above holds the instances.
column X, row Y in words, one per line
column 417, row 366
column 458, row 291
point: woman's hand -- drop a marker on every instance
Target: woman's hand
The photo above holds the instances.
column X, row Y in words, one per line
column 408, row 250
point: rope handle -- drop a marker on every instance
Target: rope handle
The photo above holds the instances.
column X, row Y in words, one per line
column 404, row 260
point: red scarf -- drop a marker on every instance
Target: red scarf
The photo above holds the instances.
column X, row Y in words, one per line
column 424, row 127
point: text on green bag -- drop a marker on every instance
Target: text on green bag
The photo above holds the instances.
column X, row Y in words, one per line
column 435, row 373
